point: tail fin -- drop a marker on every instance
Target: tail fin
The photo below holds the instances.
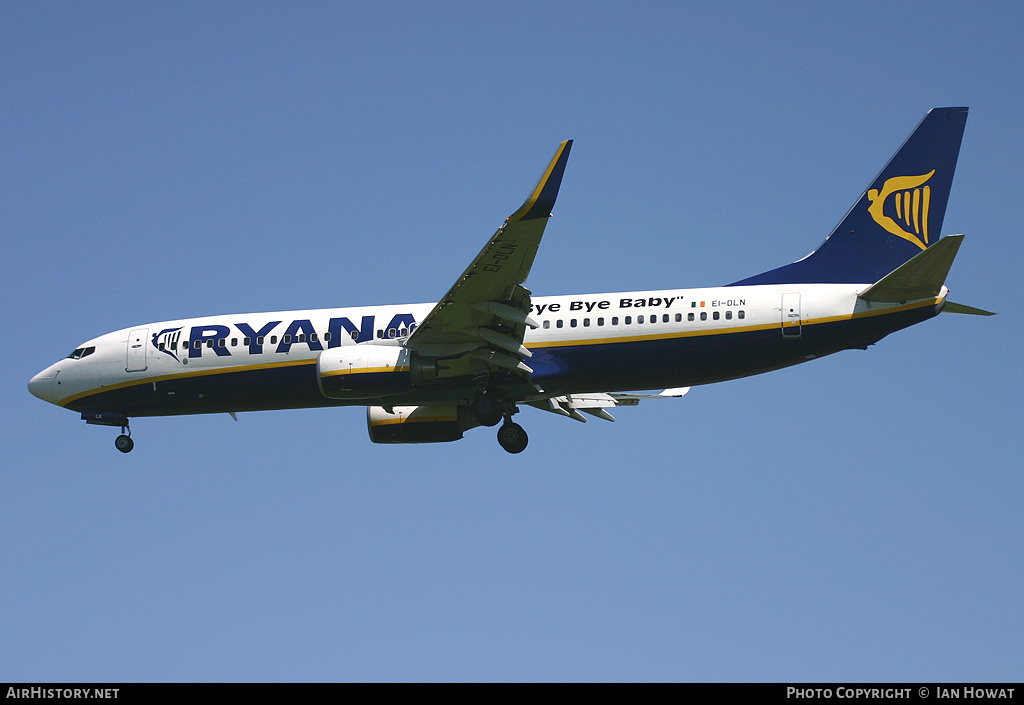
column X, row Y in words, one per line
column 899, row 215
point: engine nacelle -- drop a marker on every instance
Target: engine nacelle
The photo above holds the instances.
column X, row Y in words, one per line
column 418, row 424
column 363, row 371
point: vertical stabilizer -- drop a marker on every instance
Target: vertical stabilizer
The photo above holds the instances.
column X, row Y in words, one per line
column 897, row 217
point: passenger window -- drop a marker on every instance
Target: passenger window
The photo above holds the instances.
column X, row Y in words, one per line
column 716, row 315
column 273, row 340
column 740, row 315
column 600, row 321
column 247, row 341
column 355, row 335
column 300, row 338
column 664, row 318
column 312, row 337
column 586, row 322
column 547, row 324
column 174, row 345
column 615, row 320
column 209, row 343
column 689, row 316
column 234, row 342
column 327, row 337
column 197, row 344
column 639, row 319
column 286, row 340
column 629, row 319
column 728, row 315
column 679, row 317
column 259, row 340
column 703, row 315
column 572, row 322
column 222, row 342
column 380, row 333
column 558, row 323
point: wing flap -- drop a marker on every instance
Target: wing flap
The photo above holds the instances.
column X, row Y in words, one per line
column 597, row 403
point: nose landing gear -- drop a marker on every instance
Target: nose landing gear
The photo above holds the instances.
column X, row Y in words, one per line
column 124, row 442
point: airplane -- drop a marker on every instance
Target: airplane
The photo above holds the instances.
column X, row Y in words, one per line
column 429, row 372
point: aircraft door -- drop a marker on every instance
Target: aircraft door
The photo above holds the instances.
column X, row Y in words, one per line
column 791, row 315
column 136, row 355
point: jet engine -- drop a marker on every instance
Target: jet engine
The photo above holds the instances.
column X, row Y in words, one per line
column 363, row 371
column 418, row 424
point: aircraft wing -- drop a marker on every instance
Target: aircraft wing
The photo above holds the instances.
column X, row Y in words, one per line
column 485, row 313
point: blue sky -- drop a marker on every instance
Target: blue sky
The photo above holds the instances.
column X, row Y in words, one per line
column 856, row 518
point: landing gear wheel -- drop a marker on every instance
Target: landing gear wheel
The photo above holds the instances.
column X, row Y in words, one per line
column 512, row 437
column 487, row 409
column 124, row 443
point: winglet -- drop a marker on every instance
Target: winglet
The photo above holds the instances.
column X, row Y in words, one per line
column 542, row 198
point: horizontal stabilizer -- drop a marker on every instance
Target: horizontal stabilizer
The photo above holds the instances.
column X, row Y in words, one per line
column 951, row 307
column 921, row 277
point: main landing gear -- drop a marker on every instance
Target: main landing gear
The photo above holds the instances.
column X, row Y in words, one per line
column 489, row 409
column 512, row 437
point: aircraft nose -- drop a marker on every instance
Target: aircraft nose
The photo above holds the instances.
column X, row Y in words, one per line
column 42, row 384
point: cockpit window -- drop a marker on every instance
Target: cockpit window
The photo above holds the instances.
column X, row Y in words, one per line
column 79, row 353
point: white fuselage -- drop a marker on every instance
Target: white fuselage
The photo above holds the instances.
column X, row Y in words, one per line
column 622, row 324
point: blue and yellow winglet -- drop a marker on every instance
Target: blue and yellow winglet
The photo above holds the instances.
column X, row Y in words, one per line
column 542, row 198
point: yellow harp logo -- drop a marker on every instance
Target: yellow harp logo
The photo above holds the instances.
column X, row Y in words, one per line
column 913, row 198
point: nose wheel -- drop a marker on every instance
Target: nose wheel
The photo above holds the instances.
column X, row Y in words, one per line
column 124, row 443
